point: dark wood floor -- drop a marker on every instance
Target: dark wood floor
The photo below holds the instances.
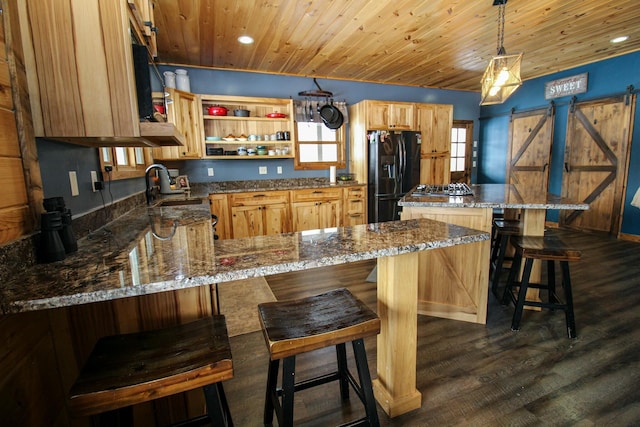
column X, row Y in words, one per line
column 472, row 374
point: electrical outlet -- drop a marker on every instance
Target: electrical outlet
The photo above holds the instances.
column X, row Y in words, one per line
column 279, row 170
column 262, row 170
column 209, row 171
column 73, row 181
column 94, row 179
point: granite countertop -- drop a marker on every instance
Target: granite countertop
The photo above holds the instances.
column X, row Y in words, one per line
column 204, row 188
column 494, row 196
column 155, row 249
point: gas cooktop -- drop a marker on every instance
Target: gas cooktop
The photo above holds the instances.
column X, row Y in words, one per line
column 456, row 189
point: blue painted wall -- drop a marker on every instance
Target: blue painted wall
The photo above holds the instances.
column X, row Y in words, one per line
column 606, row 78
column 218, row 82
column 57, row 158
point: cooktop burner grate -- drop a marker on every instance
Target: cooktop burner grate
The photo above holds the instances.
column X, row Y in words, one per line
column 457, row 189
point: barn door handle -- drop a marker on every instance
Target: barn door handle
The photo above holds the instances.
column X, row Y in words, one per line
column 566, row 166
column 544, row 167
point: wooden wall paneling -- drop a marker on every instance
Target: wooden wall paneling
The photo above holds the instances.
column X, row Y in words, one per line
column 18, row 60
column 12, row 183
column 30, row 391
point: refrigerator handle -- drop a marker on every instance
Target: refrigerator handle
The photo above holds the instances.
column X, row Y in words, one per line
column 403, row 161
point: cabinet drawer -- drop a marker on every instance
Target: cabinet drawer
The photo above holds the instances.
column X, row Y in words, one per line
column 259, row 198
column 355, row 193
column 316, row 194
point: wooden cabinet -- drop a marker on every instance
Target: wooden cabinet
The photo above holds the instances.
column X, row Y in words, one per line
column 184, row 111
column 80, row 74
column 275, row 211
column 316, row 208
column 434, row 123
column 143, row 23
column 259, row 213
column 355, row 205
column 219, row 207
column 385, row 115
column 233, row 131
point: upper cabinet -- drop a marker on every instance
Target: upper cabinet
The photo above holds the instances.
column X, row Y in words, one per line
column 435, row 122
column 383, row 115
column 81, row 77
column 183, row 110
column 142, row 23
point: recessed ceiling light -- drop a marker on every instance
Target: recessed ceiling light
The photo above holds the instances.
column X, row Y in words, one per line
column 619, row 39
column 245, row 39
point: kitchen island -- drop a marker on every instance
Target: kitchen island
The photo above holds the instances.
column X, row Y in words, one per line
column 458, row 287
column 152, row 251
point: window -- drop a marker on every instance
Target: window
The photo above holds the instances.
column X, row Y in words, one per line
column 461, row 147
column 126, row 162
column 319, row 147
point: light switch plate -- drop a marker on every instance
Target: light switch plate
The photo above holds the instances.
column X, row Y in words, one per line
column 279, row 170
column 73, row 181
column 209, row 171
column 262, row 170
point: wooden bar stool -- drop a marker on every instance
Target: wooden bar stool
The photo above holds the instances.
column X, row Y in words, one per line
column 124, row 370
column 298, row 326
column 547, row 248
column 501, row 230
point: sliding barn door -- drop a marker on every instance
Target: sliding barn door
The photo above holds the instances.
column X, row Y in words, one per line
column 530, row 138
column 596, row 162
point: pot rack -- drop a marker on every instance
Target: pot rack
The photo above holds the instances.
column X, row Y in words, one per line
column 316, row 93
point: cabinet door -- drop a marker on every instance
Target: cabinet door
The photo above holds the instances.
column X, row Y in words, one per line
column 220, row 208
column 434, row 123
column 329, row 214
column 276, row 218
column 305, row 216
column 188, row 116
column 383, row 115
column 402, row 116
column 93, row 45
column 378, row 116
column 247, row 221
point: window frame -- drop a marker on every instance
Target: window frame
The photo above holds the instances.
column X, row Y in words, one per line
column 340, row 163
column 131, row 170
column 466, row 175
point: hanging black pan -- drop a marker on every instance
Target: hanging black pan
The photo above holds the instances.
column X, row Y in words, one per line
column 331, row 116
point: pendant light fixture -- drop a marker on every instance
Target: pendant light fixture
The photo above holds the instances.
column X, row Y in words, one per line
column 502, row 76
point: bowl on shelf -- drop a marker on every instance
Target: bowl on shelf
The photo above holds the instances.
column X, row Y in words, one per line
column 345, row 176
column 241, row 113
column 212, row 138
column 276, row 115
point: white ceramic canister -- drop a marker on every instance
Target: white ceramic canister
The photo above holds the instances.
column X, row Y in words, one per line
column 170, row 79
column 182, row 80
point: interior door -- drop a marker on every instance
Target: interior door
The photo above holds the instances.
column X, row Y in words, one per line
column 529, row 156
column 596, row 162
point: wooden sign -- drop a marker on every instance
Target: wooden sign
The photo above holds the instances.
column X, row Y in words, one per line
column 567, row 86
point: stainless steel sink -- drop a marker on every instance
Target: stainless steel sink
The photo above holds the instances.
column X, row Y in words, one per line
column 180, row 202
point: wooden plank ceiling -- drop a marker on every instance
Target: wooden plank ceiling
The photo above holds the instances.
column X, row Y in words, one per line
column 428, row 43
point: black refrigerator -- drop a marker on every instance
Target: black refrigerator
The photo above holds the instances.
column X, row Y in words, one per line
column 394, row 169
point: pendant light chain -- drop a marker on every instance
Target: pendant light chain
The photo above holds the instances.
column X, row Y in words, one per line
column 501, row 13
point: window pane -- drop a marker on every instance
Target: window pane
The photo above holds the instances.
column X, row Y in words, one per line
column 454, row 149
column 461, row 164
column 462, row 134
column 313, row 131
column 121, row 156
column 453, row 165
column 454, row 134
column 461, row 148
column 106, row 154
column 329, row 153
column 139, row 156
column 309, row 152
